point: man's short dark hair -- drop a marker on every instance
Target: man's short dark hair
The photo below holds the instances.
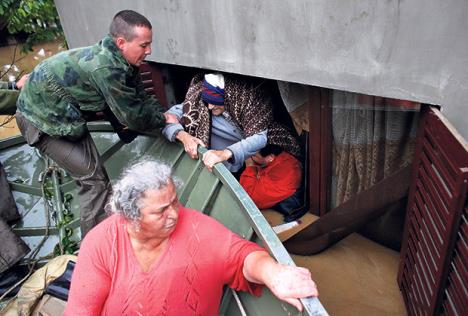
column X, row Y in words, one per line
column 125, row 21
column 271, row 149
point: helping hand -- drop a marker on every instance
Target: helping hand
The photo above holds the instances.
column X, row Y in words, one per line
column 190, row 143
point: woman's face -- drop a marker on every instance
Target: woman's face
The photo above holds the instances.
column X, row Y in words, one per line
column 216, row 109
column 159, row 212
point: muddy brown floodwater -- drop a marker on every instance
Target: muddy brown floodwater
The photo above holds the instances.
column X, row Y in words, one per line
column 18, row 64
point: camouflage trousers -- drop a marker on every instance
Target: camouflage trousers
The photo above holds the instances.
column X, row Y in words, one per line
column 81, row 160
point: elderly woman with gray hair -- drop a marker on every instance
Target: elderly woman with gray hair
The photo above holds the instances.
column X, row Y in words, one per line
column 154, row 256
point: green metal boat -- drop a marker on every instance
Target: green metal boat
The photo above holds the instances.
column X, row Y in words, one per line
column 46, row 198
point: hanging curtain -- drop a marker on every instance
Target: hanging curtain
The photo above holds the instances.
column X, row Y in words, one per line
column 373, row 137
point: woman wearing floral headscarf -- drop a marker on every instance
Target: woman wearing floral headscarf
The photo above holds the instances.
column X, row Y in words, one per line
column 231, row 118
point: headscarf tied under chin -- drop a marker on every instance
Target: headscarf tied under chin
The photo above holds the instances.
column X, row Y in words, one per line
column 213, row 89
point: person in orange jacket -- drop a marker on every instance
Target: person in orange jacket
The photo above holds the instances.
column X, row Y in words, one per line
column 272, row 179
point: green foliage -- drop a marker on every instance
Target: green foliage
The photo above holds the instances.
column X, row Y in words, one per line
column 69, row 247
column 37, row 18
column 48, row 188
column 66, row 245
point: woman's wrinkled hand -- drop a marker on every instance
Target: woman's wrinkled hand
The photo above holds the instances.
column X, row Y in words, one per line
column 212, row 157
column 290, row 283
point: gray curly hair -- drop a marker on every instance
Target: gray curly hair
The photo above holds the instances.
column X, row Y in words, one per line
column 148, row 174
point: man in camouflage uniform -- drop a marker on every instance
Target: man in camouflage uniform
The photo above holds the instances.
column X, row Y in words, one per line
column 52, row 105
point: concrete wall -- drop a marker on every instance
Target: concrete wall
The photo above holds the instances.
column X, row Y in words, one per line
column 409, row 49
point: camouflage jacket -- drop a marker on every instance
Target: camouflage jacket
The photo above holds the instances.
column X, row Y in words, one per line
column 8, row 99
column 87, row 79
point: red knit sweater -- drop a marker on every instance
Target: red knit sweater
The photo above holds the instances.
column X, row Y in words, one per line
column 272, row 184
column 201, row 257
